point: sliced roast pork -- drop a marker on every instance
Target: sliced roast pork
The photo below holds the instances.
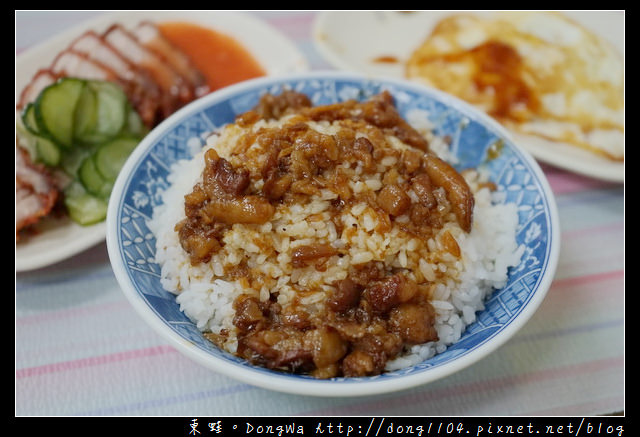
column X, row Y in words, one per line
column 141, row 89
column 150, row 36
column 176, row 90
column 36, row 191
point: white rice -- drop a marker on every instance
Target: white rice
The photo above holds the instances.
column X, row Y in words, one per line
column 462, row 284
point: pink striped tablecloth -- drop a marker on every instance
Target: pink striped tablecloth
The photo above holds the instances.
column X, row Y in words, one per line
column 82, row 350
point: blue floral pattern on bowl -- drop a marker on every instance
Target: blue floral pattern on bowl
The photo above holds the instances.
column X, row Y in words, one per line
column 516, row 175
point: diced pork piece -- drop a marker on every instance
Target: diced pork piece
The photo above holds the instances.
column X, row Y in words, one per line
column 36, row 191
column 176, row 91
column 443, row 175
column 141, row 89
column 150, row 36
column 40, row 81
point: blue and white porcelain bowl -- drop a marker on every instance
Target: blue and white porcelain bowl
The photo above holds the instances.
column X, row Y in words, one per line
column 131, row 244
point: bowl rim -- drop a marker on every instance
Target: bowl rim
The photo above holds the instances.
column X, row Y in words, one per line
column 313, row 387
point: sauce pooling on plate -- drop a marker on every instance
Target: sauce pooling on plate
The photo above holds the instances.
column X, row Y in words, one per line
column 222, row 59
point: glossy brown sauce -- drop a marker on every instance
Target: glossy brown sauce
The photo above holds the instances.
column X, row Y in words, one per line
column 222, row 59
column 499, row 67
column 386, row 59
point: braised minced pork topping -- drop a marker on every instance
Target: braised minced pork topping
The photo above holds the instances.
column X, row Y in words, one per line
column 377, row 310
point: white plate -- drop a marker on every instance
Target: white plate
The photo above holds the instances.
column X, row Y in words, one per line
column 356, row 40
column 59, row 239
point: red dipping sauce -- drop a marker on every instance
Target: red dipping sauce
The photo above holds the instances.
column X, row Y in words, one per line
column 219, row 57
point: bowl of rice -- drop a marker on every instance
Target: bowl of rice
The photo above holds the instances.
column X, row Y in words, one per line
column 331, row 234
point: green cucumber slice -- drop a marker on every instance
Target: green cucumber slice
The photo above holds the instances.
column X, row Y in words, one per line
column 25, row 139
column 47, row 151
column 134, row 125
column 91, row 179
column 86, row 113
column 110, row 112
column 41, row 149
column 29, row 118
column 83, row 207
column 111, row 156
column 55, row 107
column 73, row 159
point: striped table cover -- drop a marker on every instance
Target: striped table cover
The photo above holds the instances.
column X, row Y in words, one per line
column 82, row 350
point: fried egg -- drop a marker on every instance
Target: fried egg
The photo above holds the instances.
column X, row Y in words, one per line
column 538, row 73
